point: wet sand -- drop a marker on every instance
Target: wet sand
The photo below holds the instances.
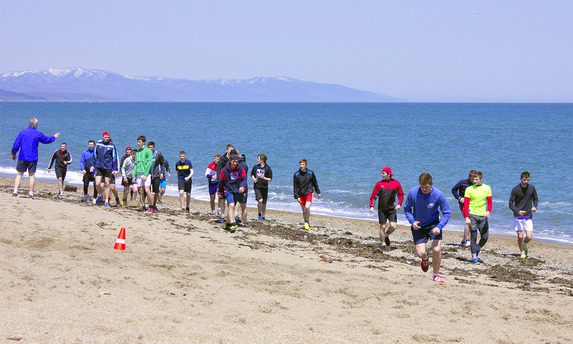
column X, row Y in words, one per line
column 184, row 279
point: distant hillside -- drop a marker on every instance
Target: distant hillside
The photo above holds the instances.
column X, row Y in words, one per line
column 78, row 84
column 18, row 97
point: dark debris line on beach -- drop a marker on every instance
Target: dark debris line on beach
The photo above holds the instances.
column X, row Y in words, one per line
column 523, row 274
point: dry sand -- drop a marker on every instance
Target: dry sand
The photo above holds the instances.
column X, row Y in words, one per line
column 183, row 279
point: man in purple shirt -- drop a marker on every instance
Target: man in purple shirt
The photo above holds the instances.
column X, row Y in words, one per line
column 27, row 143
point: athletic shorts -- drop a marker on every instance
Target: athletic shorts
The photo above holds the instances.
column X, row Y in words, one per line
column 127, row 182
column 243, row 197
column 140, row 183
column 387, row 215
column 422, row 235
column 112, row 180
column 155, row 184
column 262, row 194
column 232, row 197
column 103, row 172
column 523, row 224
column 305, row 198
column 163, row 183
column 185, row 186
column 61, row 173
column 24, row 166
column 213, row 188
column 88, row 177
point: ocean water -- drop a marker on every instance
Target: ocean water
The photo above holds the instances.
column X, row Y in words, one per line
column 346, row 144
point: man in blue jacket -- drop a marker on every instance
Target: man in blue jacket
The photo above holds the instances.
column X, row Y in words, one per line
column 422, row 209
column 88, row 169
column 106, row 166
column 27, row 143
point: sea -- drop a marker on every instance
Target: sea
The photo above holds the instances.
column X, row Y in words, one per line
column 346, row 145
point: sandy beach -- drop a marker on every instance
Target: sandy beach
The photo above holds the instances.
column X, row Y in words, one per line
column 183, row 279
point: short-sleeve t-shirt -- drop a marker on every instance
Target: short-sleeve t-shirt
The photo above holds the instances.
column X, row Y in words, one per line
column 258, row 172
column 478, row 198
column 183, row 170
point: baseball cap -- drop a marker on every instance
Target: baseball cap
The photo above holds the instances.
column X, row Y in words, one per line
column 105, row 133
column 128, row 148
column 387, row 170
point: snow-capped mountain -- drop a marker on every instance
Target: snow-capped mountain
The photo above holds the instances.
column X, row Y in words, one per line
column 79, row 84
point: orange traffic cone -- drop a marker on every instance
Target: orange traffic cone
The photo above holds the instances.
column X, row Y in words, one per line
column 120, row 242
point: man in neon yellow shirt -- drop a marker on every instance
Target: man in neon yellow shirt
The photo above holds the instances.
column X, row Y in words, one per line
column 476, row 197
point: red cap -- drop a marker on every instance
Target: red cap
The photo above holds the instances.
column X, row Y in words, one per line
column 105, row 133
column 128, row 148
column 387, row 170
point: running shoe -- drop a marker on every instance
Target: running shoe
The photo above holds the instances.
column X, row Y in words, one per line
column 85, row 199
column 187, row 209
column 425, row 264
column 233, row 228
column 260, row 217
column 159, row 202
column 387, row 240
column 151, row 210
column 526, row 249
column 476, row 261
column 31, row 196
column 523, row 256
column 143, row 210
column 306, row 226
column 97, row 201
column 242, row 225
column 383, row 247
column 467, row 243
column 463, row 243
column 14, row 194
column 107, row 205
column 438, row 279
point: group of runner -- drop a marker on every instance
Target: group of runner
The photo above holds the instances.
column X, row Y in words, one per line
column 424, row 203
column 144, row 170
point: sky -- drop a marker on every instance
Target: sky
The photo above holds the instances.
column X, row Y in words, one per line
column 437, row 51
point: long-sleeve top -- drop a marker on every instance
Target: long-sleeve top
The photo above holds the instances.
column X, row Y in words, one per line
column 105, row 156
column 59, row 157
column 475, row 199
column 232, row 179
column 211, row 173
column 426, row 208
column 27, row 143
column 523, row 199
column 386, row 191
column 127, row 168
column 158, row 165
column 459, row 189
column 304, row 183
column 87, row 160
column 143, row 161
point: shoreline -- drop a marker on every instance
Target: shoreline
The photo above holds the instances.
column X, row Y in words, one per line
column 182, row 278
column 295, row 213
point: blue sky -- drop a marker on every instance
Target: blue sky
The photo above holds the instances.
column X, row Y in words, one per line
column 416, row 50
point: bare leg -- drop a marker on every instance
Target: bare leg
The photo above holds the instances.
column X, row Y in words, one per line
column 436, row 255
column 17, row 181
column 32, row 182
column 231, row 213
column 243, row 213
column 61, row 185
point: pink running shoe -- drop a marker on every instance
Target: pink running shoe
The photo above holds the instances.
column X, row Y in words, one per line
column 425, row 264
column 438, row 279
column 150, row 210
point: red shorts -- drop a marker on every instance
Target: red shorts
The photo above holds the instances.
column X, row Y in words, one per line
column 305, row 198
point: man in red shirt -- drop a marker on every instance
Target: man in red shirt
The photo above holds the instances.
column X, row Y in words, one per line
column 386, row 190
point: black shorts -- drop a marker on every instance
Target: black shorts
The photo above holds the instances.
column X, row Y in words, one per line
column 186, row 187
column 103, row 172
column 24, row 166
column 89, row 177
column 61, row 173
column 112, row 180
column 155, row 184
column 243, row 197
column 387, row 215
column 129, row 182
column 262, row 194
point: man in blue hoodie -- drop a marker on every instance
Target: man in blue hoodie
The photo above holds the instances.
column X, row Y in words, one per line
column 27, row 143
